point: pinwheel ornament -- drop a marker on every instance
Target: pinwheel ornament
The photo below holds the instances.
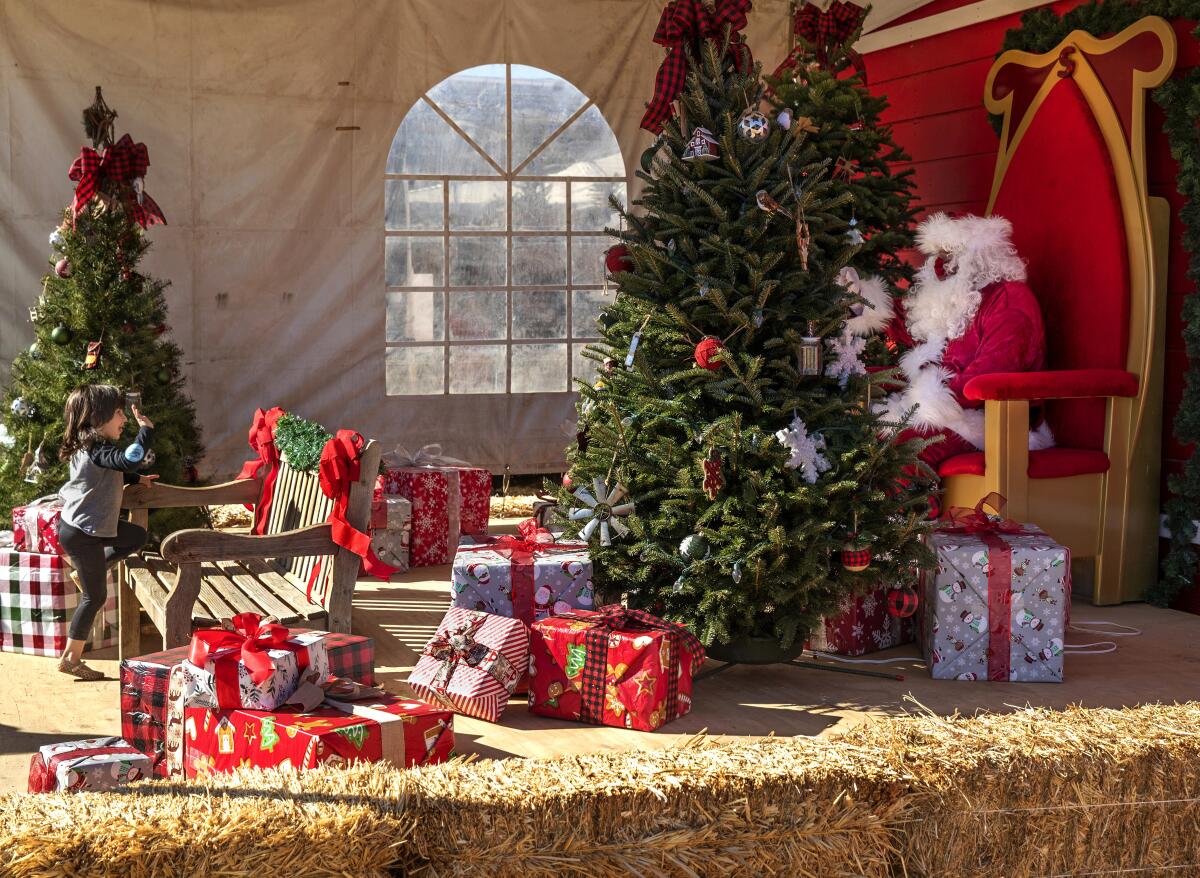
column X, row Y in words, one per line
column 603, row 507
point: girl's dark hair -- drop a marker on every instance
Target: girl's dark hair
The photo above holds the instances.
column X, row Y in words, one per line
column 89, row 407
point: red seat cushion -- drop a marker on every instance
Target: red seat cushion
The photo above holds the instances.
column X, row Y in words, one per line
column 1051, row 463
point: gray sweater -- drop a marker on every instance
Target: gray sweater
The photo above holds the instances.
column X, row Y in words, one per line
column 92, row 495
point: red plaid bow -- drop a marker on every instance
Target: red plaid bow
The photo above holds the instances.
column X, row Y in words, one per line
column 121, row 163
column 683, row 25
column 825, row 32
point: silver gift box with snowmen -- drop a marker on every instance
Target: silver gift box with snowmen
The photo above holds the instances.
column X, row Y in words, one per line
column 483, row 578
column 1024, row 642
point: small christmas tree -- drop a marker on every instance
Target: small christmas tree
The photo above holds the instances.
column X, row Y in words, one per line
column 98, row 320
column 728, row 455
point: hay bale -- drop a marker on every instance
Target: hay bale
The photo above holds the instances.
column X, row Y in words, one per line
column 1036, row 792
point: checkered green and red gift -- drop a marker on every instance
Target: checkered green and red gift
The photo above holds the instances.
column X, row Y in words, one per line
column 37, row 601
column 613, row 667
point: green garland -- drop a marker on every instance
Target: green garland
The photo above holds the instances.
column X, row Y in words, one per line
column 300, row 441
column 1040, row 31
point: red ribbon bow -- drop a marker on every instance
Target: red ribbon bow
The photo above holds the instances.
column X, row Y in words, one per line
column 262, row 442
column 960, row 519
column 251, row 635
column 121, row 163
column 521, row 552
column 824, row 33
column 341, row 467
column 683, row 25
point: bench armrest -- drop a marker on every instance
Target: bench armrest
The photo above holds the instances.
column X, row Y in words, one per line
column 160, row 496
column 199, row 544
column 1061, row 384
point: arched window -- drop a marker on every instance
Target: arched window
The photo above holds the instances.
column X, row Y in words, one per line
column 496, row 198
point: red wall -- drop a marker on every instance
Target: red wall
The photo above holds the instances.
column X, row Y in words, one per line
column 935, row 87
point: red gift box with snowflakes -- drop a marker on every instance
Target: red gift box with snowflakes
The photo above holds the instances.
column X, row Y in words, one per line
column 35, row 526
column 447, row 502
column 862, row 625
column 402, row 731
column 612, row 667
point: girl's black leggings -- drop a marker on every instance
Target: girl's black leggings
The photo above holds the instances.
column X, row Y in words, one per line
column 91, row 557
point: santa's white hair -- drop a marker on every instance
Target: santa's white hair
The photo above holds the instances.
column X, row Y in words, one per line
column 975, row 251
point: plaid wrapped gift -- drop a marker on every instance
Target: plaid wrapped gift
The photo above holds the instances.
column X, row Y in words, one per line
column 863, row 624
column 473, row 663
column 612, row 667
column 37, row 601
column 92, row 764
column 144, row 682
column 35, row 526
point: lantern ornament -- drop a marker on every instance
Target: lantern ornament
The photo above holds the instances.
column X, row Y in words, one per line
column 808, row 355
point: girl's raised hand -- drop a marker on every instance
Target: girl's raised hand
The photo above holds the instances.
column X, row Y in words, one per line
column 142, row 419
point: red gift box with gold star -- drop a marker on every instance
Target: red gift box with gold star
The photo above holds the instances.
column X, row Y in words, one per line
column 613, row 667
column 403, row 731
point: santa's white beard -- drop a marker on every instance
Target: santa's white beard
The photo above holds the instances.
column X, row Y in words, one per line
column 940, row 309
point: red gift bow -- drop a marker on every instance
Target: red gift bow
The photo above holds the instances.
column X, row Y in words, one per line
column 341, row 467
column 122, row 162
column 684, row 23
column 253, row 637
column 262, row 442
column 521, row 554
column 823, row 32
column 610, row 618
column 960, row 519
column 451, row 647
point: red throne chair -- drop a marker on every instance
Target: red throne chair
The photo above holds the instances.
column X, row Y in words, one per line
column 1071, row 176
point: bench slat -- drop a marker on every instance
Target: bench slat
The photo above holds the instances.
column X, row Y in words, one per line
column 284, row 589
column 251, row 591
column 213, row 597
column 151, row 590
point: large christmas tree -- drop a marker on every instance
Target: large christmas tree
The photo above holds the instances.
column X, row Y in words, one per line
column 728, row 454
column 98, row 320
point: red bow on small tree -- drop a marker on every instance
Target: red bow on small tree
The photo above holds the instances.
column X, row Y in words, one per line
column 683, row 26
column 120, row 164
column 825, row 32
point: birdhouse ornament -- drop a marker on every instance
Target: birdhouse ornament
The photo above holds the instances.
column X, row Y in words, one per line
column 702, row 146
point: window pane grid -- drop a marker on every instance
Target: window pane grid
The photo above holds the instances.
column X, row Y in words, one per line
column 514, row 316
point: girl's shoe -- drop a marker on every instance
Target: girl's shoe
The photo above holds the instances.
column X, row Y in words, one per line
column 80, row 670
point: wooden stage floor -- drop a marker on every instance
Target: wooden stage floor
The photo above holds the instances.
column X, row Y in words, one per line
column 40, row 706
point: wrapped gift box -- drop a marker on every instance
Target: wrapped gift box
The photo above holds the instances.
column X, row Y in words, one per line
column 447, row 501
column 473, row 663
column 520, row 578
column 92, row 764
column 144, row 686
column 996, row 607
column 37, row 600
column 391, row 529
column 35, row 526
column 222, row 677
column 612, row 667
column 403, row 731
column 863, row 624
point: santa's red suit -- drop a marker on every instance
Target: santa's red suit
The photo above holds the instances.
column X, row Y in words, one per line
column 969, row 313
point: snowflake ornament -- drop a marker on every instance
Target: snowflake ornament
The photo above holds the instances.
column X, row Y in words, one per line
column 806, row 450
column 603, row 508
column 845, row 350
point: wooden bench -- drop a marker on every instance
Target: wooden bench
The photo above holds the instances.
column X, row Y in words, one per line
column 203, row 576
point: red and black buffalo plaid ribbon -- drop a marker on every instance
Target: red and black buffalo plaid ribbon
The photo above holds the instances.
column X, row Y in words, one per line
column 120, row 164
column 684, row 24
column 612, row 618
column 823, row 33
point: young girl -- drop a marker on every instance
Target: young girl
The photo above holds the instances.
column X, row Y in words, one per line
column 90, row 529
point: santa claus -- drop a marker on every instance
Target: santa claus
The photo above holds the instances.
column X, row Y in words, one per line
column 969, row 313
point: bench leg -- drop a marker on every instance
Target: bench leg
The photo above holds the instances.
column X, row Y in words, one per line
column 129, row 617
column 177, row 627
